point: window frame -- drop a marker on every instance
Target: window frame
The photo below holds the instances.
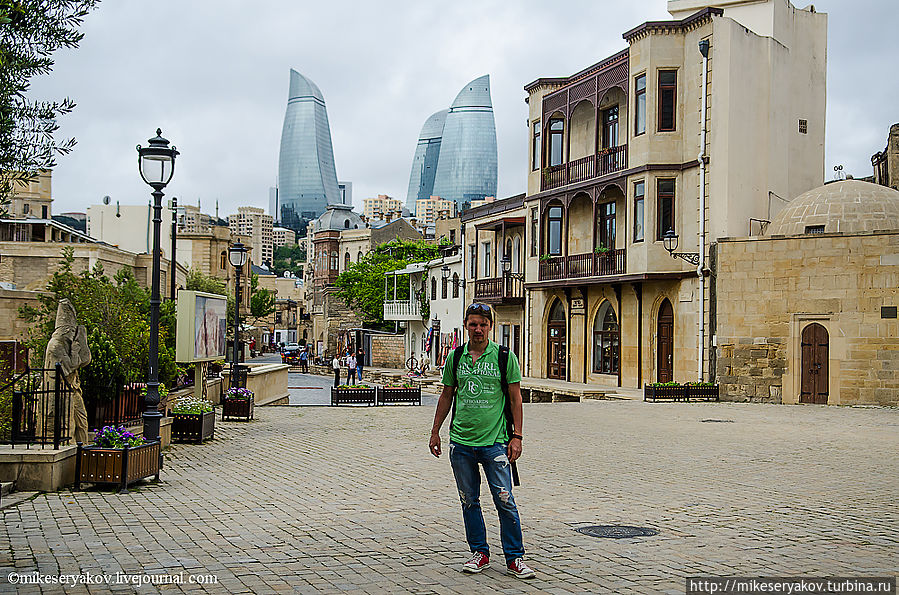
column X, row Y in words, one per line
column 487, row 254
column 662, row 88
column 550, row 219
column 660, row 209
column 473, row 256
column 536, row 153
column 535, row 230
column 553, row 133
column 639, row 94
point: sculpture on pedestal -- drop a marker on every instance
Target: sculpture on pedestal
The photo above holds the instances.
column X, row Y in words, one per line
column 68, row 347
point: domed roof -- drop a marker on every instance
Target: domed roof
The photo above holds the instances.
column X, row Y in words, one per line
column 339, row 217
column 848, row 206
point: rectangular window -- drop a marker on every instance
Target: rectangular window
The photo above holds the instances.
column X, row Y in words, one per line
column 535, row 221
column 640, row 104
column 639, row 193
column 556, row 129
column 473, row 264
column 506, row 335
column 610, row 127
column 667, row 99
column 486, row 260
column 453, row 237
column 535, row 147
column 554, row 231
column 665, row 203
column 803, row 126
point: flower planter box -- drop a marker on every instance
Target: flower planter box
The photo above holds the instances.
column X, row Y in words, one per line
column 121, row 466
column 353, row 396
column 396, row 396
column 680, row 393
column 193, row 427
column 237, row 409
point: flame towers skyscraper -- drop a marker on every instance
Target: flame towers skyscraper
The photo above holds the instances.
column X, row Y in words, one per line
column 307, row 177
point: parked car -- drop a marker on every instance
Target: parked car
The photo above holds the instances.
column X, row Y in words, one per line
column 291, row 355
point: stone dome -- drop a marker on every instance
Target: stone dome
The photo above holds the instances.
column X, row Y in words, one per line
column 339, row 217
column 847, row 206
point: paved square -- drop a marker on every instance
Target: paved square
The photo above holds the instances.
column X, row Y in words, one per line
column 310, row 499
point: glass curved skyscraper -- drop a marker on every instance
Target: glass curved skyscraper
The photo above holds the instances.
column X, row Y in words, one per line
column 307, row 178
column 464, row 149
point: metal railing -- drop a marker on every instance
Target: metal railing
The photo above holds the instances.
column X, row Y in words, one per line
column 124, row 407
column 40, row 401
column 402, row 309
column 497, row 289
column 604, row 162
column 575, row 266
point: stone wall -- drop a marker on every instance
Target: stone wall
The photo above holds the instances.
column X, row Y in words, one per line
column 387, row 351
column 13, row 327
column 771, row 289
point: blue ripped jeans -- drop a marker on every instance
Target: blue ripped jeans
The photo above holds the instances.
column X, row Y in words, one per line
column 465, row 461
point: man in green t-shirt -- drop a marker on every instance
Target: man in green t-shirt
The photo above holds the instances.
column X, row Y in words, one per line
column 479, row 436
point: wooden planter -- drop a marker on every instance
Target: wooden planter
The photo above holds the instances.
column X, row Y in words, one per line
column 122, row 466
column 396, row 396
column 353, row 396
column 193, row 427
column 241, row 409
column 680, row 393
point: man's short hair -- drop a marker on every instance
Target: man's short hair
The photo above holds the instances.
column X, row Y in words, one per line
column 479, row 310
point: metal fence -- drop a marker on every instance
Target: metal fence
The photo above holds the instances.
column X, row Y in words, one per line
column 40, row 402
column 121, row 405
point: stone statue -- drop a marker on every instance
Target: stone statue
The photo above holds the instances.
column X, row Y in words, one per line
column 68, row 347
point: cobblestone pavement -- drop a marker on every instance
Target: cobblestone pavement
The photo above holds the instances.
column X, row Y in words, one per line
column 348, row 500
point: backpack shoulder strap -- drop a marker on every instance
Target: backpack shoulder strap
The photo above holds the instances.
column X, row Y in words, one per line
column 457, row 355
column 503, row 364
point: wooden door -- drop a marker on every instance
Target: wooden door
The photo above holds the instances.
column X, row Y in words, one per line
column 665, row 343
column 516, row 341
column 814, row 384
column 556, row 355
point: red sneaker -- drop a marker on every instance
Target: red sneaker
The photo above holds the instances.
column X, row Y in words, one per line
column 518, row 568
column 477, row 563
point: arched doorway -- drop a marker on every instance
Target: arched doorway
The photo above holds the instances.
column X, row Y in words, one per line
column 665, row 342
column 606, row 340
column 814, row 385
column 556, row 352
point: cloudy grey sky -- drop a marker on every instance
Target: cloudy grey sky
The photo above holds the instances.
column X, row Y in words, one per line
column 214, row 75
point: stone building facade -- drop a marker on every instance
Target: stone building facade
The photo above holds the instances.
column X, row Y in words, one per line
column 807, row 312
column 886, row 162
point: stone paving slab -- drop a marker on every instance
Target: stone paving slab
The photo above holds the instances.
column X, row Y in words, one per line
column 311, row 500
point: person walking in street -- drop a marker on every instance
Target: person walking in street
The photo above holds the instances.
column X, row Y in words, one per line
column 335, row 363
column 360, row 362
column 351, row 369
column 481, row 386
column 304, row 360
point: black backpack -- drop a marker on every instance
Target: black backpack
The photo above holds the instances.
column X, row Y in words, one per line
column 507, row 410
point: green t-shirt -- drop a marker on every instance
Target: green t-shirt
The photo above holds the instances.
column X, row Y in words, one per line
column 480, row 403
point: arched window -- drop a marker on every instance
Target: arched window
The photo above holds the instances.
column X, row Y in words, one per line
column 516, row 255
column 443, row 284
column 346, row 260
column 606, row 340
column 556, row 131
column 346, row 224
column 224, row 260
column 455, row 285
column 359, row 256
column 433, row 288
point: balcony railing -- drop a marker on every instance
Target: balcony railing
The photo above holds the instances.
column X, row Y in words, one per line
column 606, row 161
column 402, row 310
column 576, row 266
column 499, row 290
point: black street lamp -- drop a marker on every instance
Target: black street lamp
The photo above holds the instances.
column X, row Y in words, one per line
column 669, row 240
column 507, row 268
column 156, row 164
column 174, row 243
column 445, row 272
column 237, row 256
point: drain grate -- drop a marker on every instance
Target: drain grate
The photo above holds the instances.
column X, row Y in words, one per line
column 616, row 531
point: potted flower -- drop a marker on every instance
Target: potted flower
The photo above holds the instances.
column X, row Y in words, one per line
column 193, row 419
column 403, row 392
column 117, row 456
column 238, row 403
column 545, row 257
column 353, row 394
column 601, row 250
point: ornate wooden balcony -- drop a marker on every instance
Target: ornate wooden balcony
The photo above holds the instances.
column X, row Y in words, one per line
column 605, row 162
column 505, row 290
column 402, row 310
column 577, row 266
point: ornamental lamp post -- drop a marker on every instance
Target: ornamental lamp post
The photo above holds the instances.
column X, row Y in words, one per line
column 174, row 244
column 670, row 241
column 237, row 256
column 156, row 164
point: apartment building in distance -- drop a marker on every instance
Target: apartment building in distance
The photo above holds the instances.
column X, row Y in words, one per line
column 257, row 224
column 281, row 236
column 429, row 210
column 378, row 208
column 32, row 200
column 191, row 220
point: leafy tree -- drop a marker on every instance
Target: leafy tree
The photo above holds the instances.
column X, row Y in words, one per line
column 262, row 301
column 30, row 32
column 361, row 286
column 197, row 281
column 289, row 258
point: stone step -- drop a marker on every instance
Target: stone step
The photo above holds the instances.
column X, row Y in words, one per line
column 16, row 498
column 6, row 487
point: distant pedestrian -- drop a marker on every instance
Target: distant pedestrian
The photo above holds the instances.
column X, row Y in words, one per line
column 351, row 369
column 304, row 360
column 335, row 363
column 360, row 362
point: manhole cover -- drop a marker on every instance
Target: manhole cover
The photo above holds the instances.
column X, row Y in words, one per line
column 616, row 531
column 717, row 421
